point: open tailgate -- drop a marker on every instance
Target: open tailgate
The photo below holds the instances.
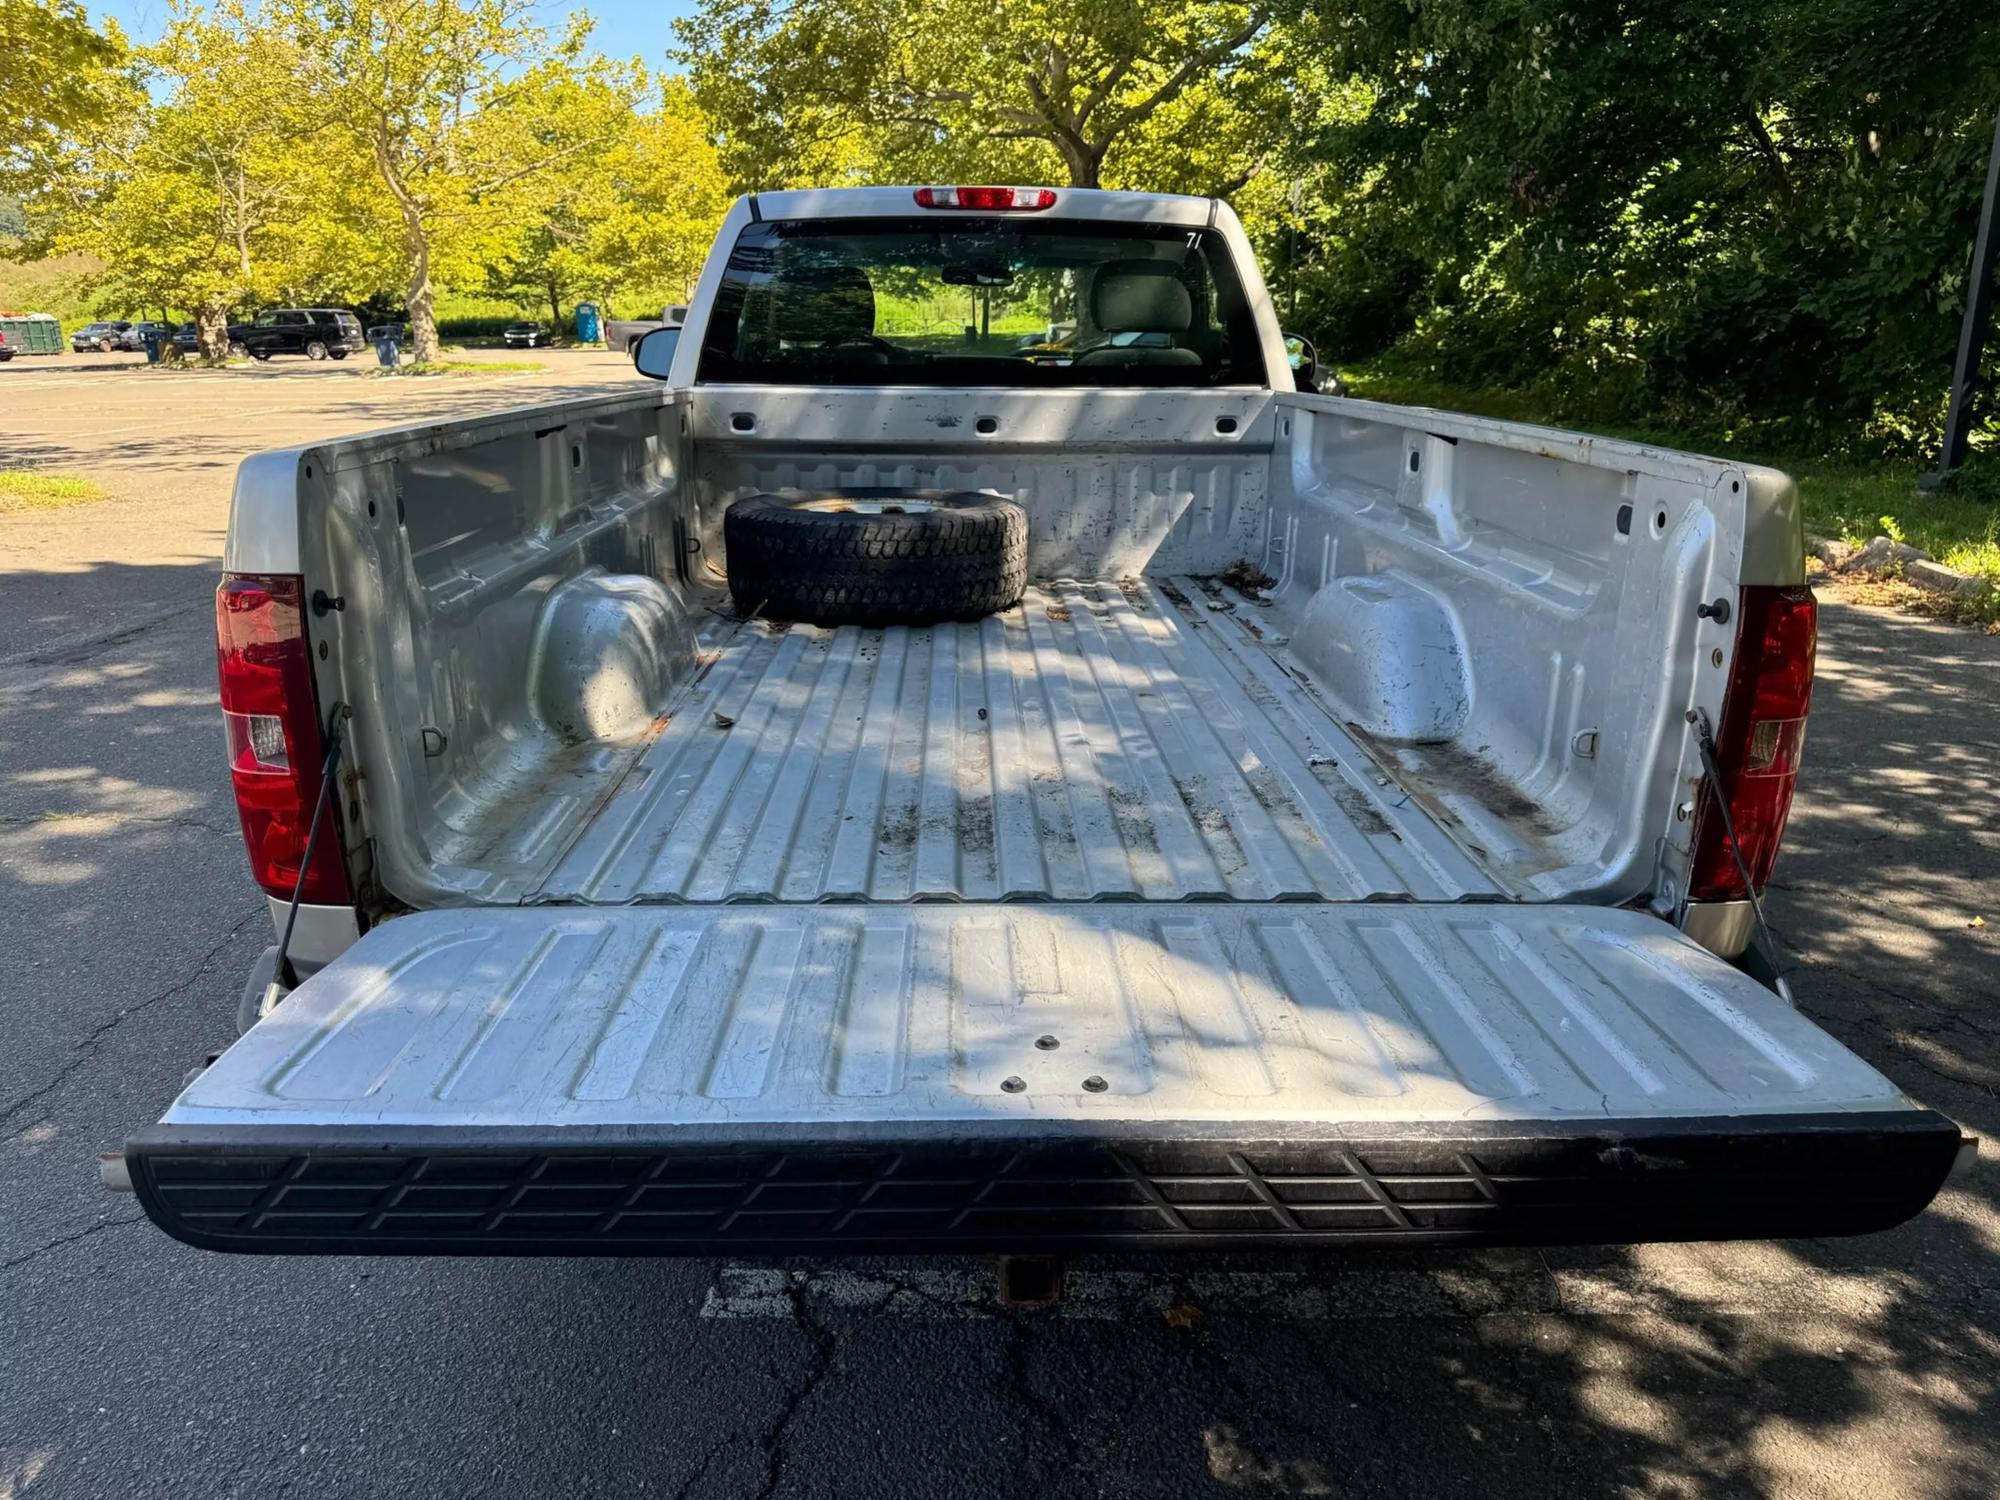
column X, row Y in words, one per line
column 836, row 1078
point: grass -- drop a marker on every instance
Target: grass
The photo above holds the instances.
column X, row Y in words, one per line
column 29, row 489
column 1958, row 525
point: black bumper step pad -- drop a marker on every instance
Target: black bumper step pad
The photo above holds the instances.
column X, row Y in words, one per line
column 886, row 1189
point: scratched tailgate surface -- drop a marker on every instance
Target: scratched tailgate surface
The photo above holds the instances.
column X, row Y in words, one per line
column 1113, row 1012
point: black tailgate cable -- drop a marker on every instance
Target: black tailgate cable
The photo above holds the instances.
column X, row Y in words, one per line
column 1704, row 739
column 281, row 971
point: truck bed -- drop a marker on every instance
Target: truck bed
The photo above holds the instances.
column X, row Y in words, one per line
column 1140, row 740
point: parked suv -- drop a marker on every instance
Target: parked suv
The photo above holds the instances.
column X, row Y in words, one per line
column 6, row 349
column 101, row 338
column 315, row 332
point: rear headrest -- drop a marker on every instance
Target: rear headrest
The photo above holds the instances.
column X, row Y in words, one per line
column 1140, row 296
column 825, row 303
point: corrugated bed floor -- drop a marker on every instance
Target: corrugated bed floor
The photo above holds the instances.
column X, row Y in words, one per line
column 1135, row 740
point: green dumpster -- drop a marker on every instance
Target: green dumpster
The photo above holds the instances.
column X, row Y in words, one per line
column 32, row 333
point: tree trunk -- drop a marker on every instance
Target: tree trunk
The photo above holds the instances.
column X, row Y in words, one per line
column 423, row 296
column 1084, row 160
column 416, row 245
column 211, row 330
column 555, row 310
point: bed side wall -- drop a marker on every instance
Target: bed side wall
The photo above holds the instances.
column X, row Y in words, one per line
column 1510, row 615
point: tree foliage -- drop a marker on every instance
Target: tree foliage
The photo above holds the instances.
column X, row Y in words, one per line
column 53, row 66
column 437, row 95
column 1062, row 90
column 631, row 216
column 198, row 185
column 1761, row 207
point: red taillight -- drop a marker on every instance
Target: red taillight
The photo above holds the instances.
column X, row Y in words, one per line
column 987, row 199
column 1757, row 748
column 270, row 715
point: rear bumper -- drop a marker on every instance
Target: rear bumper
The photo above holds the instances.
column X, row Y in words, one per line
column 769, row 1189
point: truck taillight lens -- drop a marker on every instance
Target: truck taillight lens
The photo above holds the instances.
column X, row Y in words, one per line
column 270, row 715
column 1758, row 746
column 1013, row 200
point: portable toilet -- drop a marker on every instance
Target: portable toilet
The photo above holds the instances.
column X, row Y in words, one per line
column 589, row 329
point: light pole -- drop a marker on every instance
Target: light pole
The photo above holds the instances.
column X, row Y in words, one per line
column 1971, row 333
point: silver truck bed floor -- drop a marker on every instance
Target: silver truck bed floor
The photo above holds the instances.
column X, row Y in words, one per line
column 1026, row 1013
column 1104, row 740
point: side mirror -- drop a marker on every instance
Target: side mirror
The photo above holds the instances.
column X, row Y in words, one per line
column 654, row 354
column 1299, row 355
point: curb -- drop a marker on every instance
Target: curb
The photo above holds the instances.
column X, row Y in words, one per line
column 1884, row 554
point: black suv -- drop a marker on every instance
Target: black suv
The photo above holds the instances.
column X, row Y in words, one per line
column 315, row 332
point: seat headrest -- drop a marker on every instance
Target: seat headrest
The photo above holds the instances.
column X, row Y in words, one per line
column 1140, row 296
column 825, row 304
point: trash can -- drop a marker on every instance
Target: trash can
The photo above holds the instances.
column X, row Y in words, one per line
column 387, row 351
column 151, row 339
column 589, row 327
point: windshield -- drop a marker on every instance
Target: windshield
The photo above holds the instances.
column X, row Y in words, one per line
column 979, row 301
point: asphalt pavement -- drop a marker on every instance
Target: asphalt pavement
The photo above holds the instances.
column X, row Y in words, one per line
column 133, row 1366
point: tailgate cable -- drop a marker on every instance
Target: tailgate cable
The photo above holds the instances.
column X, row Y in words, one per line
column 282, row 977
column 1704, row 740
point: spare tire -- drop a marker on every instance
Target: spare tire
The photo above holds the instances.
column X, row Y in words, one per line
column 875, row 556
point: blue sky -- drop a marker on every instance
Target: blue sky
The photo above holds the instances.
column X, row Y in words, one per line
column 625, row 28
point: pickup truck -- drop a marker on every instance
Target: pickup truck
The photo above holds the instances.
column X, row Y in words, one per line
column 872, row 791
column 625, row 333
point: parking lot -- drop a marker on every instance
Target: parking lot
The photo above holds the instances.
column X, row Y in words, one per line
column 132, row 1365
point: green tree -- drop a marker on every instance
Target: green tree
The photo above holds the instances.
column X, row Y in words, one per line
column 971, row 90
column 439, row 94
column 1755, row 208
column 200, row 186
column 52, row 67
column 631, row 212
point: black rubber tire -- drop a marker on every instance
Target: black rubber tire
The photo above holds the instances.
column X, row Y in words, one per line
column 953, row 555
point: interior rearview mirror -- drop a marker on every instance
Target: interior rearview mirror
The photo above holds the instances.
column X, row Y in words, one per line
column 994, row 273
column 654, row 354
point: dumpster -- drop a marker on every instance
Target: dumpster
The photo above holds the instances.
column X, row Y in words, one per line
column 589, row 326
column 31, row 333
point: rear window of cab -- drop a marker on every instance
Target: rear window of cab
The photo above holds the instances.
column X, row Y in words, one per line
column 979, row 301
